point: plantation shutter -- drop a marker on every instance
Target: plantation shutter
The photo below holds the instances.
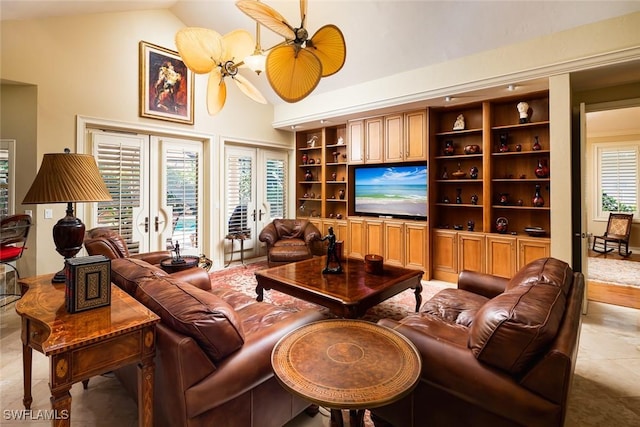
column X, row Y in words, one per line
column 5, row 180
column 120, row 166
column 619, row 179
column 182, row 183
column 276, row 187
column 239, row 192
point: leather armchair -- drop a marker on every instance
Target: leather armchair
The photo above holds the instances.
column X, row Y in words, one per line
column 495, row 352
column 290, row 240
column 107, row 242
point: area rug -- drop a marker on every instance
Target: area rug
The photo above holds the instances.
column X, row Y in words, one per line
column 242, row 278
column 614, row 271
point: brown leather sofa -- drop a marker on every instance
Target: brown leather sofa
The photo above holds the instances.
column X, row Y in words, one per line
column 290, row 240
column 213, row 351
column 495, row 352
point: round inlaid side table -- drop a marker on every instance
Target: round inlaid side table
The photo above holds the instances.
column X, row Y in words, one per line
column 346, row 364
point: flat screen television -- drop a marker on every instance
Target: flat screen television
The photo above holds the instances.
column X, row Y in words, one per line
column 397, row 190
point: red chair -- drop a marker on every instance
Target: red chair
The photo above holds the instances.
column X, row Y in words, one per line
column 14, row 231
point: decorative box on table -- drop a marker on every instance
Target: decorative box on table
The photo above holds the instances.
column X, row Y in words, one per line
column 88, row 283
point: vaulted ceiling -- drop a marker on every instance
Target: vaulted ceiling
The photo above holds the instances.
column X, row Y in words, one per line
column 382, row 36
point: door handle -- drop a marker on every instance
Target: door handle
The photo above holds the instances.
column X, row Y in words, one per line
column 146, row 224
column 260, row 213
column 254, row 214
column 157, row 223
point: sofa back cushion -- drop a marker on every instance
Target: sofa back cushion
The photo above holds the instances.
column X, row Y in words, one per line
column 194, row 312
column 513, row 329
column 127, row 272
column 290, row 228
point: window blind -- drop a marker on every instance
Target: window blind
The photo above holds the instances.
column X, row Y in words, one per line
column 239, row 192
column 619, row 179
column 4, row 183
column 276, row 187
column 182, row 172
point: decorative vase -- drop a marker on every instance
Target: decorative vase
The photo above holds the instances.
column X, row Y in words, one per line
column 305, row 159
column 445, row 199
column 445, row 175
column 341, row 194
column 448, row 148
column 335, row 156
column 471, row 224
column 459, row 196
column 311, row 161
column 502, row 225
column 542, row 171
column 473, row 172
column 471, row 149
column 536, row 144
column 308, row 176
column 518, row 147
column 474, row 199
column 504, row 139
column 334, row 176
column 538, row 200
column 504, row 198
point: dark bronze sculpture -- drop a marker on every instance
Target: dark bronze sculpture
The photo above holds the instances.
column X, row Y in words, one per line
column 332, row 253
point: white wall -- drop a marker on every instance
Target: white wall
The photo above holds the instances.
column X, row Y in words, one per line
column 88, row 66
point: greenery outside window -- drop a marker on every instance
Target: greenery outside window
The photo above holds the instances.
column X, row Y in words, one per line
column 618, row 182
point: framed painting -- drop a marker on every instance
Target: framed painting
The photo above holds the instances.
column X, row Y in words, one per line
column 166, row 85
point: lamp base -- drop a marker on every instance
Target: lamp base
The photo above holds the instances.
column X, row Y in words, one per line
column 59, row 277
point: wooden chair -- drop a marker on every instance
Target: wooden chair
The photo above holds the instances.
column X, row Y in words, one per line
column 618, row 232
column 14, row 230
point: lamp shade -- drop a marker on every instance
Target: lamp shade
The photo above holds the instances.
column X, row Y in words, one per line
column 67, row 177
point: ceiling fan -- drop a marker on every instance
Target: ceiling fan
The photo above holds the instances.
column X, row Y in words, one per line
column 295, row 66
column 206, row 51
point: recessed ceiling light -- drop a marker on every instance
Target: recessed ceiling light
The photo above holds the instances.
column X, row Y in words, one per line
column 323, row 121
column 448, row 98
column 511, row 88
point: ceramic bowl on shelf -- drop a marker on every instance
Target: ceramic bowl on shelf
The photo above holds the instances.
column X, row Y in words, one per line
column 458, row 174
column 535, row 231
column 471, row 149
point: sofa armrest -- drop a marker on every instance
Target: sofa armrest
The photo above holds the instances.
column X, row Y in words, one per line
column 153, row 258
column 452, row 368
column 482, row 284
column 311, row 233
column 269, row 234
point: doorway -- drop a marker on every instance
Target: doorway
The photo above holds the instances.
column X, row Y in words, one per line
column 255, row 194
column 612, row 184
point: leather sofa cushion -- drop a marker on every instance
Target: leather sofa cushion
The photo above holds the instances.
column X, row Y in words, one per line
column 289, row 242
column 543, row 270
column 290, row 228
column 454, row 306
column 206, row 318
column 513, row 329
column 127, row 272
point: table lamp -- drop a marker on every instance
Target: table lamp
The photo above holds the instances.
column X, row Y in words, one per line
column 67, row 178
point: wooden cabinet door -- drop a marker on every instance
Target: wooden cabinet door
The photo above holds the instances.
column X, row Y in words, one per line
column 471, row 252
column 445, row 255
column 356, row 244
column 374, row 237
column 394, row 138
column 532, row 249
column 416, row 253
column 501, row 256
column 415, row 135
column 373, row 140
column 355, row 140
column 394, row 253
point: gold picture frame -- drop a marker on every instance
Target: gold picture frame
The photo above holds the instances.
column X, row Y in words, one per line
column 166, row 85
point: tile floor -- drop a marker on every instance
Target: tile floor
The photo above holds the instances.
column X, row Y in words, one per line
column 606, row 389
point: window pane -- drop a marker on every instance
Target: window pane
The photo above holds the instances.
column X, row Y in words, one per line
column 238, row 193
column 276, row 191
column 182, row 194
column 619, row 179
column 4, row 183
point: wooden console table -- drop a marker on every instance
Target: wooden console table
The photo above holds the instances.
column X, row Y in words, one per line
column 346, row 364
column 85, row 344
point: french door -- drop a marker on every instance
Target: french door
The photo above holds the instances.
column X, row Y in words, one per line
column 256, row 194
column 155, row 185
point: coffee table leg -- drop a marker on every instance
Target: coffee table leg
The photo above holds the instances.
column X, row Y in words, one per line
column 336, row 418
column 26, row 372
column 260, row 292
column 418, row 293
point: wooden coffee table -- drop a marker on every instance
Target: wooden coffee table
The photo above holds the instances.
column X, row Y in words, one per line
column 348, row 294
column 346, row 364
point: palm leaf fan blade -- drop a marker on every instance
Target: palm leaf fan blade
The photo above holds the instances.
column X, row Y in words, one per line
column 237, row 45
column 249, row 89
column 199, row 48
column 293, row 76
column 329, row 46
column 267, row 16
column 216, row 92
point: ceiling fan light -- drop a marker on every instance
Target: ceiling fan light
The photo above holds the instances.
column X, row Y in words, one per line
column 256, row 62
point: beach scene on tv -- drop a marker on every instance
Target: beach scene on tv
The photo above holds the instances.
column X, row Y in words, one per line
column 395, row 191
